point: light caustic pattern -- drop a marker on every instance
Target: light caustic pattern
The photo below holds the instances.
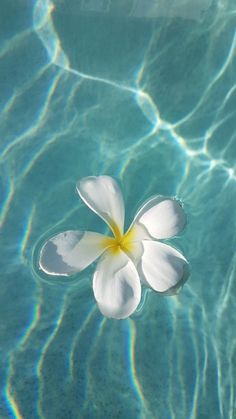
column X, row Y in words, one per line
column 163, row 121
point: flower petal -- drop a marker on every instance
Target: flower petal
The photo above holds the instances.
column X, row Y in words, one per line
column 162, row 217
column 70, row 252
column 102, row 194
column 116, row 285
column 162, row 267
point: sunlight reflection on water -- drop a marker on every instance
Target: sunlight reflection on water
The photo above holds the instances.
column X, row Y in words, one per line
column 175, row 358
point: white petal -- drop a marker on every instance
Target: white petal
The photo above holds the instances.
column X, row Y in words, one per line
column 163, row 268
column 102, row 194
column 70, row 252
column 116, row 285
column 162, row 217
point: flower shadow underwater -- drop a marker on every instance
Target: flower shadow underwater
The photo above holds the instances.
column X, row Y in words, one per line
column 129, row 259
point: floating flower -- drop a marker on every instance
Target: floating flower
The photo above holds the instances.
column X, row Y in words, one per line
column 128, row 259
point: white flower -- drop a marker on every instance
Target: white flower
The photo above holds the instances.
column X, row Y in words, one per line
column 127, row 259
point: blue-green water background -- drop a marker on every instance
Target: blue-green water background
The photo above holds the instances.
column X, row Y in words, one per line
column 145, row 92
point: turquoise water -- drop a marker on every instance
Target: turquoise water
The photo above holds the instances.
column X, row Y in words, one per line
column 145, row 92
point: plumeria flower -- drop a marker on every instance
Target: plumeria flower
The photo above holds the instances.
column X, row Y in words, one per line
column 127, row 259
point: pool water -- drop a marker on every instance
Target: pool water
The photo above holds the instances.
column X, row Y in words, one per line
column 144, row 91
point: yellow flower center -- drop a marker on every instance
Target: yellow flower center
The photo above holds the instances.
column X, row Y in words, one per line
column 120, row 242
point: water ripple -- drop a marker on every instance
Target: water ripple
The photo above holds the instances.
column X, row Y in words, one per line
column 132, row 369
column 173, row 359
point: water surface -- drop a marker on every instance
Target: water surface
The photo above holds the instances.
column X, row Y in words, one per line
column 144, row 92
